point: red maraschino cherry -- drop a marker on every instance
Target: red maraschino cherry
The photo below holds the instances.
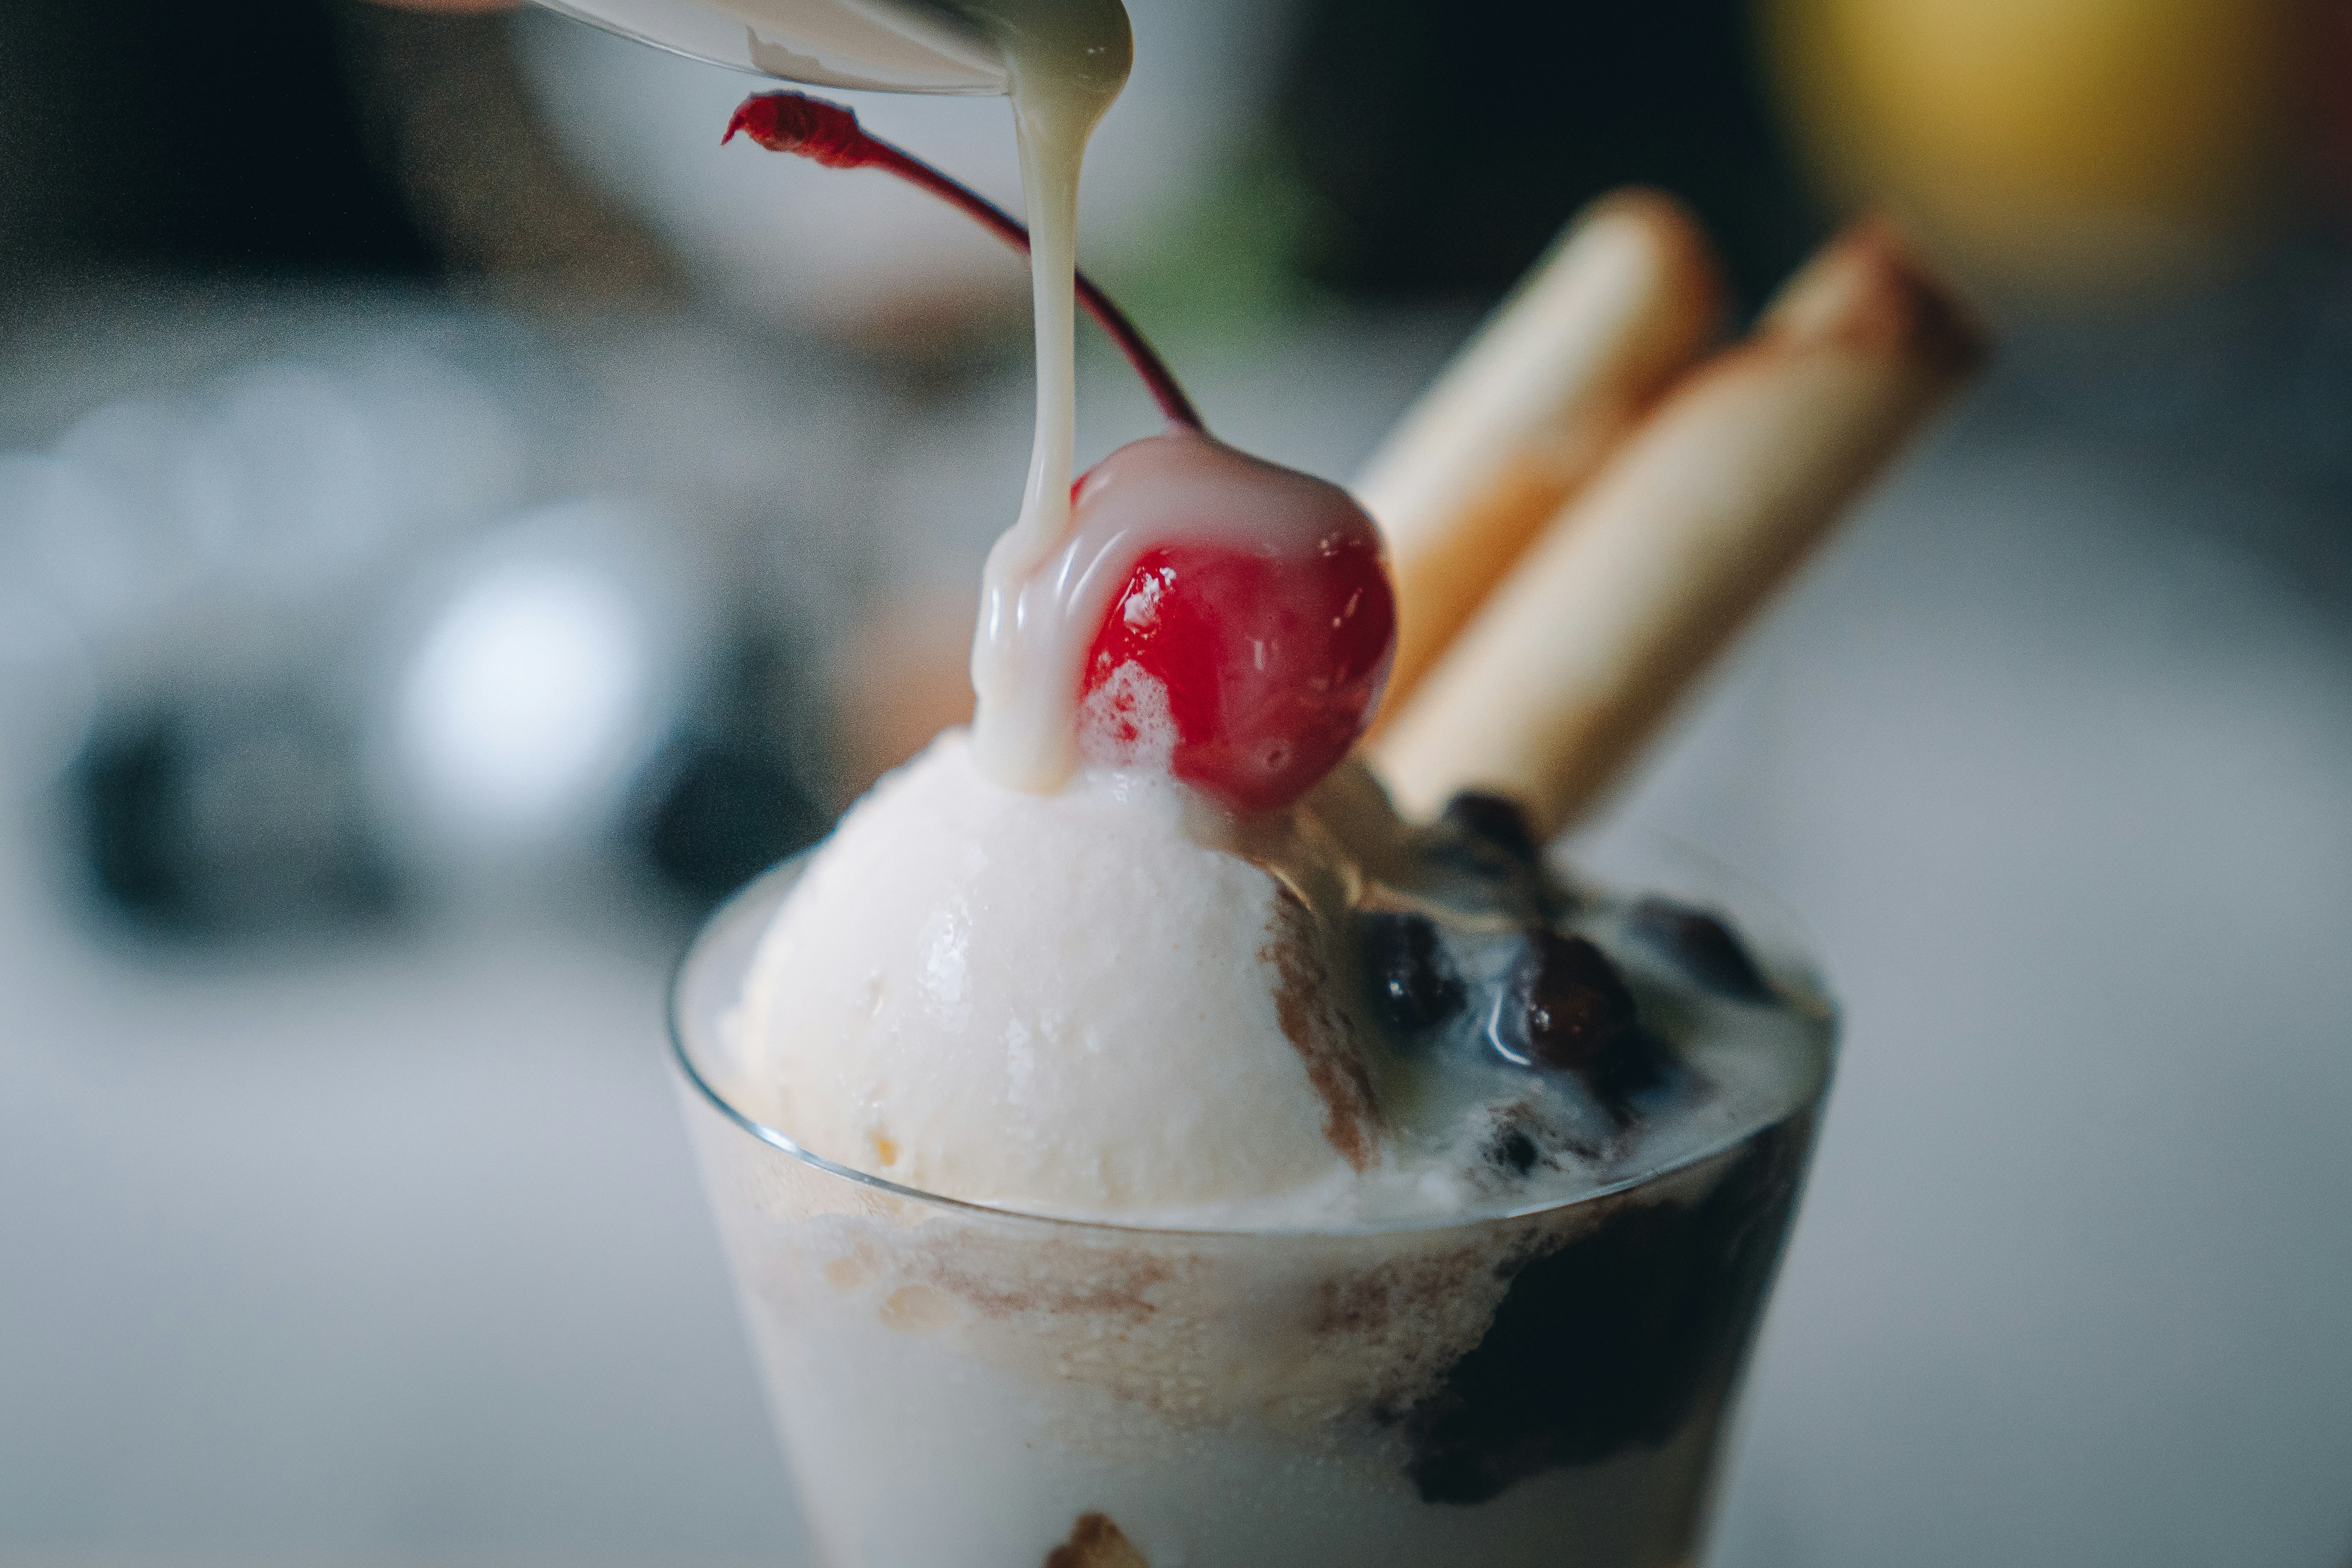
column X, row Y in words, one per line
column 1258, row 622
column 1263, row 614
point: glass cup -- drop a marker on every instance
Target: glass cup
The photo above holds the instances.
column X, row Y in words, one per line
column 959, row 1386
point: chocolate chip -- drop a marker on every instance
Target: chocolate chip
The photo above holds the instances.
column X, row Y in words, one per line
column 1708, row 951
column 1563, row 1005
column 1412, row 985
column 1494, row 821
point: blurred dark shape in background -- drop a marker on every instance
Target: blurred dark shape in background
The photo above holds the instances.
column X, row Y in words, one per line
column 183, row 136
column 330, row 135
column 737, row 790
column 244, row 816
column 1442, row 146
column 1432, row 150
column 287, row 136
column 326, row 142
column 442, row 102
column 389, row 604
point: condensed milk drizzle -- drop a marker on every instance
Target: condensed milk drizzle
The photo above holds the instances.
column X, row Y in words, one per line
column 1067, row 60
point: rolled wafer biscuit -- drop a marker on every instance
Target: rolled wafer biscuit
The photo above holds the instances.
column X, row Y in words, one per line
column 1625, row 301
column 1641, row 581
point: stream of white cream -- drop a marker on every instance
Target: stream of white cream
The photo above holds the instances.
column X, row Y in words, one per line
column 1067, row 60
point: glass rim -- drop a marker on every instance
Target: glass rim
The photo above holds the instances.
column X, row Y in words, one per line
column 789, row 870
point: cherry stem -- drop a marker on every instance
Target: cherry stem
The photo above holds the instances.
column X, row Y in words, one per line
column 828, row 134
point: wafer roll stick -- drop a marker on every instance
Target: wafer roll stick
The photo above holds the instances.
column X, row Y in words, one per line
column 1626, row 301
column 1640, row 582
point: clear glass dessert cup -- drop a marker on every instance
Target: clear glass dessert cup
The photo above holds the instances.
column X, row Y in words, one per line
column 959, row 1386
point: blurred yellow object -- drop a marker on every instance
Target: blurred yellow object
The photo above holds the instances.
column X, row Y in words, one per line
column 2050, row 145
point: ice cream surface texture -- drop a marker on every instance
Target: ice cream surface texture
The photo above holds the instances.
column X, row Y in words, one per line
column 1052, row 1001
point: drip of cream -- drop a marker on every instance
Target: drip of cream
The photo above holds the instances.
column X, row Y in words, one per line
column 1181, row 488
column 1067, row 60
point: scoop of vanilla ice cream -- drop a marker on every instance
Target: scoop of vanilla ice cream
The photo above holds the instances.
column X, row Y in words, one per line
column 1063, row 1002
